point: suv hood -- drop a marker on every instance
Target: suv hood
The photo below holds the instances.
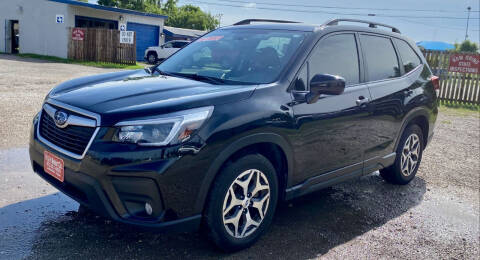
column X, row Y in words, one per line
column 129, row 94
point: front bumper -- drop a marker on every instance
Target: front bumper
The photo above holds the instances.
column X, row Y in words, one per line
column 116, row 181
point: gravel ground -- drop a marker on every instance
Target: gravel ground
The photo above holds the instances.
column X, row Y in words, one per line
column 24, row 83
column 436, row 216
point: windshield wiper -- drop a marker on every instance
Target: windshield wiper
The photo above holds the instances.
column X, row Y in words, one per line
column 161, row 72
column 213, row 80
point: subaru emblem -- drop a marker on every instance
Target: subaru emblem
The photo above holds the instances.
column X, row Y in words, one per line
column 60, row 118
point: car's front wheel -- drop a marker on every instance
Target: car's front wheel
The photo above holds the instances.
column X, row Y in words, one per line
column 242, row 202
column 152, row 58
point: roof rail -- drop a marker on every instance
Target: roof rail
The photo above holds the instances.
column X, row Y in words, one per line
column 370, row 24
column 249, row 21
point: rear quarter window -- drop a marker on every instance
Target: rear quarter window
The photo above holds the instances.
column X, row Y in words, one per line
column 410, row 59
column 380, row 57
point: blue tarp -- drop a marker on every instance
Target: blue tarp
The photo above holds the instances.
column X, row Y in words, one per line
column 436, row 46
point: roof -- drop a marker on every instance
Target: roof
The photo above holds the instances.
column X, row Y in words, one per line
column 108, row 8
column 277, row 26
column 436, row 46
column 173, row 31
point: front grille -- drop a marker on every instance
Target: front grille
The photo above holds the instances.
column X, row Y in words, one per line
column 71, row 138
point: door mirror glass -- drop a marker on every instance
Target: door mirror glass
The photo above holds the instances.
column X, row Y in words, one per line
column 325, row 84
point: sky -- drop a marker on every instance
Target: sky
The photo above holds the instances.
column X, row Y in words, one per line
column 421, row 20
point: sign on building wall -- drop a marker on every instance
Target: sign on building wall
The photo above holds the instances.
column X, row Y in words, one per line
column 464, row 63
column 78, row 34
column 123, row 27
column 127, row 37
column 59, row 18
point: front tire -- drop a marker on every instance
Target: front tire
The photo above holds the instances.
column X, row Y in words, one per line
column 242, row 202
column 408, row 157
column 152, row 58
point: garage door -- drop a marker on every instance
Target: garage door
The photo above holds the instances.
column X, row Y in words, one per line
column 147, row 35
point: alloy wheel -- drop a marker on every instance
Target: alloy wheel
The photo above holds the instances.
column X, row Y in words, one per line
column 246, row 203
column 410, row 154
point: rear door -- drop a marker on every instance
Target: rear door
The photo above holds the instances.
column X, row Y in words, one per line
column 331, row 132
column 391, row 86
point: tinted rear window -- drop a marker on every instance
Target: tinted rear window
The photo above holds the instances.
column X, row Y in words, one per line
column 382, row 62
column 410, row 59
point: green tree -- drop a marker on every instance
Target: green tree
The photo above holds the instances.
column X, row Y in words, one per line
column 466, row 46
column 187, row 16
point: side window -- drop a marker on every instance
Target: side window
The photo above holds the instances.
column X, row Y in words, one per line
column 336, row 55
column 410, row 59
column 167, row 45
column 382, row 62
column 178, row 44
column 301, row 81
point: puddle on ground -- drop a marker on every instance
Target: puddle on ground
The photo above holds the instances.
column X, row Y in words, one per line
column 26, row 201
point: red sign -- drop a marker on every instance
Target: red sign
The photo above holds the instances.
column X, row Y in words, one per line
column 53, row 165
column 210, row 38
column 78, row 34
column 464, row 63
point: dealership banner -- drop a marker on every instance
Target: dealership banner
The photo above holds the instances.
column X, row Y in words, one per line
column 464, row 63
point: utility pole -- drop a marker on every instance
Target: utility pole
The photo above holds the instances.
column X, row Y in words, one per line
column 468, row 18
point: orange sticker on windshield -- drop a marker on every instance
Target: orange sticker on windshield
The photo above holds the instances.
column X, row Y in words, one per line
column 210, row 38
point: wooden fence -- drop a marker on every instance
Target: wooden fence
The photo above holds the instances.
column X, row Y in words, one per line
column 454, row 86
column 101, row 45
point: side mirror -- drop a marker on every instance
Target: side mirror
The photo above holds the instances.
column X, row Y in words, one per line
column 325, row 84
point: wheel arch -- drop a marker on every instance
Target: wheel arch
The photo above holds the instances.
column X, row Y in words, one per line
column 152, row 51
column 274, row 147
column 417, row 116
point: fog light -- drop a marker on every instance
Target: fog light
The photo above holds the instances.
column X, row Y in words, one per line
column 148, row 208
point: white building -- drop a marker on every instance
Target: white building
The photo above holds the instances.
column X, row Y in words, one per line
column 42, row 26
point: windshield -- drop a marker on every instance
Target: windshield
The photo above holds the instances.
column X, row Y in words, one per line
column 247, row 56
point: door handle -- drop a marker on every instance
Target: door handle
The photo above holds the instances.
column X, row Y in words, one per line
column 362, row 100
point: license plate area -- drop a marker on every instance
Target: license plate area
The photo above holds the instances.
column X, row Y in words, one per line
column 53, row 165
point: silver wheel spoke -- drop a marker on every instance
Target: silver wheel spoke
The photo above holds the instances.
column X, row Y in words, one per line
column 249, row 222
column 258, row 204
column 258, row 185
column 235, row 220
column 233, row 202
column 244, row 184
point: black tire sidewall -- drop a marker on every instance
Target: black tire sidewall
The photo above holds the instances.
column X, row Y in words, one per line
column 214, row 211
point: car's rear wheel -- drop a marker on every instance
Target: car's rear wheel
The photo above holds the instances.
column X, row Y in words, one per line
column 152, row 58
column 242, row 202
column 408, row 157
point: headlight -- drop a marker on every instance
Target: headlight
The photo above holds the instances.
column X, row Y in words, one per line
column 168, row 129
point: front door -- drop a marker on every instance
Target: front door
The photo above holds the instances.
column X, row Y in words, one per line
column 332, row 131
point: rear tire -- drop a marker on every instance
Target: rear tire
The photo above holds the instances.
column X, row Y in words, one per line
column 408, row 157
column 241, row 203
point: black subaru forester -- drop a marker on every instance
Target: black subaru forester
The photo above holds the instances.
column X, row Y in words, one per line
column 244, row 117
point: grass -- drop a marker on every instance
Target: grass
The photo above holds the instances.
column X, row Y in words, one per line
column 459, row 109
column 85, row 63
